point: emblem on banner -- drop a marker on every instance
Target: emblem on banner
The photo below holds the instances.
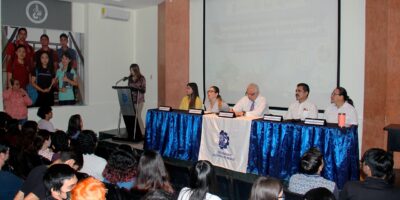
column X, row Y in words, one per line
column 36, row 11
column 223, row 140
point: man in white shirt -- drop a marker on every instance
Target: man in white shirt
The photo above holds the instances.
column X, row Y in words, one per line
column 302, row 108
column 341, row 103
column 253, row 104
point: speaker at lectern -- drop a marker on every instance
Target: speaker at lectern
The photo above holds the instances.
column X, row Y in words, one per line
column 128, row 113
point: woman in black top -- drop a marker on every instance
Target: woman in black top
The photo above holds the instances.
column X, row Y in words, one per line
column 43, row 80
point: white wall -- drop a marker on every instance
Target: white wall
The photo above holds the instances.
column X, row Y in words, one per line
column 352, row 50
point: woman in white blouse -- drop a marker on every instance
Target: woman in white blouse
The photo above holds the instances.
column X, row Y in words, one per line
column 214, row 102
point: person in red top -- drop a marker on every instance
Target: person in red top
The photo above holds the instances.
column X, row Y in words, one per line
column 53, row 57
column 18, row 69
column 16, row 102
column 12, row 46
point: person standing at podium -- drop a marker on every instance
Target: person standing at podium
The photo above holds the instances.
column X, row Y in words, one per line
column 137, row 81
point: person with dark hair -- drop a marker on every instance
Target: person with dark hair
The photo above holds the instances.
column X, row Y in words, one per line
column 89, row 189
column 59, row 180
column 302, row 108
column 214, row 102
column 320, row 193
column 377, row 165
column 33, row 188
column 10, row 183
column 121, row 169
column 11, row 57
column 192, row 99
column 137, row 81
column 52, row 54
column 202, row 181
column 43, row 79
column 75, row 125
column 67, row 79
column 341, row 103
column 45, row 150
column 311, row 165
column 251, row 105
column 93, row 164
column 18, row 69
column 16, row 102
column 158, row 195
column 266, row 189
column 65, row 49
column 45, row 113
column 59, row 142
column 152, row 174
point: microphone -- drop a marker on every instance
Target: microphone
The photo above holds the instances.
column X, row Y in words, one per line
column 126, row 78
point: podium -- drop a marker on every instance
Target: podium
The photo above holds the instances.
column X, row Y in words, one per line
column 128, row 112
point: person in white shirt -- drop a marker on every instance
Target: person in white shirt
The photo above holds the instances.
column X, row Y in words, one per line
column 202, row 180
column 341, row 103
column 302, row 108
column 253, row 104
column 214, row 103
column 45, row 113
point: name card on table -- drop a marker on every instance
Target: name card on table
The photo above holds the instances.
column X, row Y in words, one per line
column 165, row 108
column 196, row 111
column 227, row 114
column 275, row 118
column 319, row 122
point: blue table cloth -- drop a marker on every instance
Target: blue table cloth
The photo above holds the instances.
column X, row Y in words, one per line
column 173, row 134
column 276, row 149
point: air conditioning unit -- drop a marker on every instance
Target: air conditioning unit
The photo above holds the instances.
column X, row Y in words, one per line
column 115, row 13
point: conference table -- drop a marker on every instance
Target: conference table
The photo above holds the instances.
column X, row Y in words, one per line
column 265, row 148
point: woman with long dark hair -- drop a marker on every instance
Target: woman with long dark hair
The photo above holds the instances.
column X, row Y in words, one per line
column 341, row 103
column 43, row 78
column 266, row 189
column 67, row 80
column 137, row 81
column 214, row 101
column 75, row 125
column 192, row 99
column 202, row 181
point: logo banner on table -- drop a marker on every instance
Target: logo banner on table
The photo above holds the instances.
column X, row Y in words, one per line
column 225, row 142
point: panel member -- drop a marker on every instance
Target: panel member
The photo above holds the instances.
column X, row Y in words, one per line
column 192, row 99
column 253, row 104
column 214, row 103
column 302, row 108
column 341, row 103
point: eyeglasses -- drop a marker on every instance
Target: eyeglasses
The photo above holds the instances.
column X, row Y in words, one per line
column 251, row 94
column 334, row 94
column 210, row 91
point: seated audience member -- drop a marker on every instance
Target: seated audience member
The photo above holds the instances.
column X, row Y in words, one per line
column 266, row 189
column 302, row 108
column 93, row 164
column 320, row 193
column 89, row 189
column 214, row 102
column 45, row 113
column 192, row 99
column 59, row 180
column 43, row 79
column 34, row 189
column 377, row 165
column 10, row 184
column 152, row 175
column 19, row 69
column 16, row 102
column 75, row 125
column 341, row 103
column 202, row 180
column 158, row 195
column 253, row 104
column 45, row 140
column 67, row 79
column 120, row 169
column 311, row 165
column 59, row 142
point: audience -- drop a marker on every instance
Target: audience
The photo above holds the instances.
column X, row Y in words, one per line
column 89, row 189
column 120, row 169
column 45, row 113
column 266, row 189
column 311, row 165
column 75, row 125
column 192, row 99
column 320, row 193
column 44, row 144
column 59, row 142
column 202, row 181
column 59, row 180
column 93, row 164
column 214, row 102
column 10, row 183
column 377, row 165
column 16, row 101
column 158, row 195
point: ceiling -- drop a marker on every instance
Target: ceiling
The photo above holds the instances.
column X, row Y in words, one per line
column 132, row 4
